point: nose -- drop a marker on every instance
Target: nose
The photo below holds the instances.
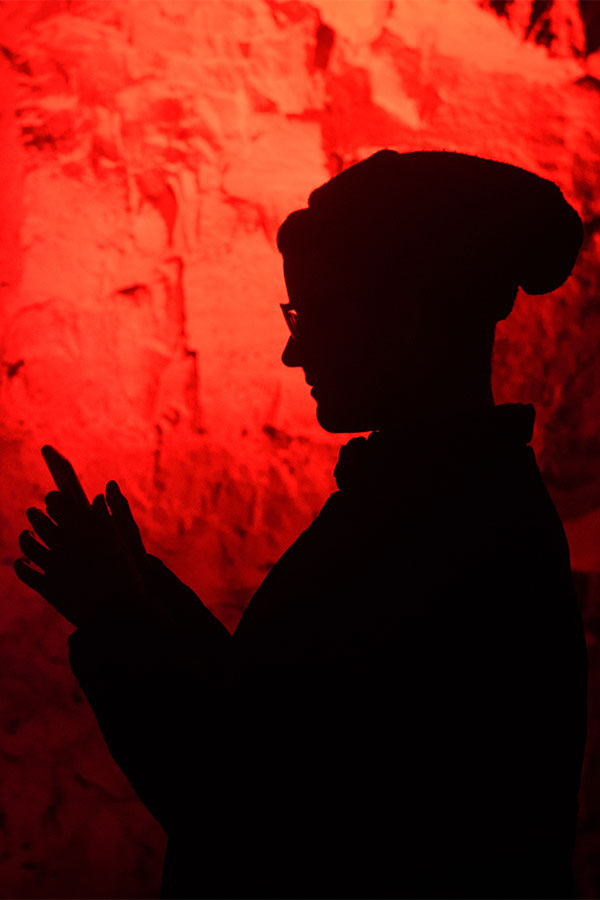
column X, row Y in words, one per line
column 290, row 356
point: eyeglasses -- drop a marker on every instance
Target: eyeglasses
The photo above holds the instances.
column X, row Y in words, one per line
column 290, row 315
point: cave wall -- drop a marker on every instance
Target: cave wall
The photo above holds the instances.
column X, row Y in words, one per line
column 149, row 152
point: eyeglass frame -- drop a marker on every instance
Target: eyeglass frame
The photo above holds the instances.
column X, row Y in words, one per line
column 290, row 314
column 291, row 320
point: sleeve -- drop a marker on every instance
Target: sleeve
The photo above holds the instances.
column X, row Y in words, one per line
column 157, row 688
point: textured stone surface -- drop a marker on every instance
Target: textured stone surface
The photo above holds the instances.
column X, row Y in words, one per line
column 149, row 151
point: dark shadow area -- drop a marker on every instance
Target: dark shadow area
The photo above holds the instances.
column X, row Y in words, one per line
column 401, row 711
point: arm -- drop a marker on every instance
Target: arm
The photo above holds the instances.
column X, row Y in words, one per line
column 158, row 692
column 145, row 650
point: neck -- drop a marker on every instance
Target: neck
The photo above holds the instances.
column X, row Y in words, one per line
column 437, row 410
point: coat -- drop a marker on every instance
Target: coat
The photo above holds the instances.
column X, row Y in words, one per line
column 401, row 709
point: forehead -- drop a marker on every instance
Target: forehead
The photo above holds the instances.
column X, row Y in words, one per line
column 313, row 278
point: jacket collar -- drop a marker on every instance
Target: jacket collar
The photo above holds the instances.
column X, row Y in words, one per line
column 390, row 458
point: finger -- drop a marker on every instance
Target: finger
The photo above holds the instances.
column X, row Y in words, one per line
column 123, row 517
column 102, row 519
column 100, row 508
column 44, row 527
column 60, row 508
column 41, row 584
column 64, row 477
column 31, row 577
column 32, row 549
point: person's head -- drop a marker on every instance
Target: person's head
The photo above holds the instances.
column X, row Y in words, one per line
column 398, row 272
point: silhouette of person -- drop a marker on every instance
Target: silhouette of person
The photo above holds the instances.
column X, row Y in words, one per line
column 401, row 709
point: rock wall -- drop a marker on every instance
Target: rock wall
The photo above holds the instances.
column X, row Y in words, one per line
column 150, row 150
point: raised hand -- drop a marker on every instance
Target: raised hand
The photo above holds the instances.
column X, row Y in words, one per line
column 90, row 558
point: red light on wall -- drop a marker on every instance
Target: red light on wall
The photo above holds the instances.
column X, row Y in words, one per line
column 150, row 151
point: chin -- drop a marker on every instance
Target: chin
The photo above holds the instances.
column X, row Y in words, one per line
column 337, row 421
